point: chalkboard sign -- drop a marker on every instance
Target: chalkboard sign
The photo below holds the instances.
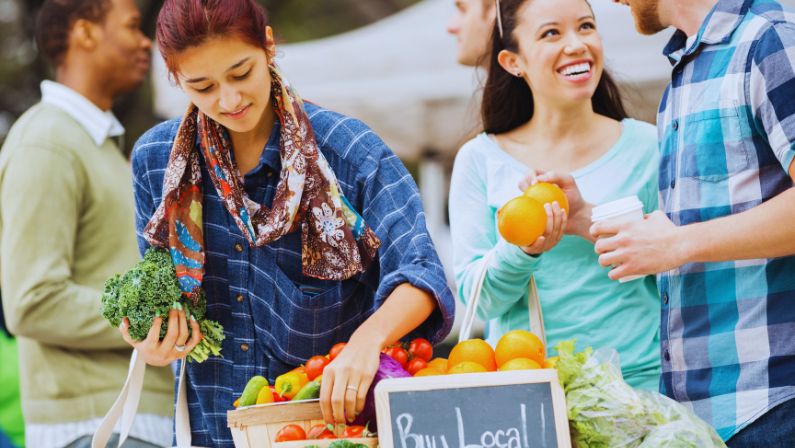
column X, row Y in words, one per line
column 517, row 409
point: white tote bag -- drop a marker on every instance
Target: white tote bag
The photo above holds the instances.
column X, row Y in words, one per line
column 126, row 406
column 533, row 304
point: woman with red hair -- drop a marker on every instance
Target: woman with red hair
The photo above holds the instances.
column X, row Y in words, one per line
column 299, row 224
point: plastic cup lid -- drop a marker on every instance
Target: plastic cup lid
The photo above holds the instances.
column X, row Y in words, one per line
column 616, row 207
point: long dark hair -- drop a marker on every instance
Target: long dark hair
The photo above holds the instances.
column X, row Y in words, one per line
column 507, row 99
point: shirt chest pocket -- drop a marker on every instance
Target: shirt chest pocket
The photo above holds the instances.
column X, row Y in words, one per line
column 716, row 144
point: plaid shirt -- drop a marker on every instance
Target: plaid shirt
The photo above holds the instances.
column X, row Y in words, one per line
column 727, row 127
column 273, row 316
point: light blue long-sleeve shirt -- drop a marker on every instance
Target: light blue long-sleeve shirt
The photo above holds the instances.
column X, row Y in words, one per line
column 578, row 299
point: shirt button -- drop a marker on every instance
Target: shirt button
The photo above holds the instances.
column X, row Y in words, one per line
column 240, row 297
column 673, row 184
column 244, row 347
column 675, row 125
column 239, row 247
column 665, row 298
column 270, row 173
column 667, row 355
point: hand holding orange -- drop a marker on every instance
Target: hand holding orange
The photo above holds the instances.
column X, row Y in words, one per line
column 547, row 193
column 521, row 220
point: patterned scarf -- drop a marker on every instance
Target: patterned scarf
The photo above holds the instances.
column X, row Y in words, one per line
column 336, row 242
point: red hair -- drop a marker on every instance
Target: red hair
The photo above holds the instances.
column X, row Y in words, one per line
column 183, row 24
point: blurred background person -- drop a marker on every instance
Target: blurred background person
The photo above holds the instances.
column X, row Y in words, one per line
column 471, row 24
column 67, row 224
column 549, row 104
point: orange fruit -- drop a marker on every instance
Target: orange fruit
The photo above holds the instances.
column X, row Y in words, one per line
column 551, row 362
column 466, row 367
column 439, row 364
column 473, row 350
column 519, row 344
column 521, row 220
column 547, row 193
column 520, row 364
column 429, row 371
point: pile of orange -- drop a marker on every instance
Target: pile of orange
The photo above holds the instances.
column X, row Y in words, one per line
column 516, row 350
column 523, row 219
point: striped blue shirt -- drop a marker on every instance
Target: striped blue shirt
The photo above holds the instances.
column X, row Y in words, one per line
column 727, row 126
column 274, row 317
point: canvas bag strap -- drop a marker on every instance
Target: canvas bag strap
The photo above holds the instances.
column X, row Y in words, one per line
column 181, row 418
column 125, row 407
column 535, row 315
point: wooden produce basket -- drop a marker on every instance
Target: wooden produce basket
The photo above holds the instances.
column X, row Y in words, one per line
column 256, row 426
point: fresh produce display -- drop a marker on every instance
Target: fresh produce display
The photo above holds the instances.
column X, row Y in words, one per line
column 523, row 219
column 604, row 411
column 387, row 368
column 289, row 384
column 323, row 431
column 303, row 382
column 150, row 290
column 516, row 350
column 290, row 433
column 252, row 390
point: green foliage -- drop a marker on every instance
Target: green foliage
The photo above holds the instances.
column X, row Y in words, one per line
column 149, row 290
column 346, row 444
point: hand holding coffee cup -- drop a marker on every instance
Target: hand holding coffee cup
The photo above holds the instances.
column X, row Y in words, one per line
column 621, row 210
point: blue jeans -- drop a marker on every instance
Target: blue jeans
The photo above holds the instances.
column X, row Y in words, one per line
column 774, row 429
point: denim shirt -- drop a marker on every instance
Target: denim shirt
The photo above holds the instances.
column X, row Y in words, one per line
column 274, row 317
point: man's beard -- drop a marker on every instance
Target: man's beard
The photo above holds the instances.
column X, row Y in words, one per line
column 647, row 16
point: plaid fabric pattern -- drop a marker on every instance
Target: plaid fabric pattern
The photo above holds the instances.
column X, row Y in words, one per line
column 727, row 127
column 275, row 317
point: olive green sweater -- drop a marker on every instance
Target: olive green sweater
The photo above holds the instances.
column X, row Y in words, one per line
column 67, row 224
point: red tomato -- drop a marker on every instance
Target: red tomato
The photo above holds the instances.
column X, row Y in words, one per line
column 415, row 365
column 315, row 365
column 335, row 350
column 289, row 433
column 399, row 355
column 421, row 348
column 276, row 397
column 320, row 431
column 353, row 432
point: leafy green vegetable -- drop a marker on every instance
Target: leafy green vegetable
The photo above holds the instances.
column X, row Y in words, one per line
column 149, row 290
column 346, row 444
column 604, row 411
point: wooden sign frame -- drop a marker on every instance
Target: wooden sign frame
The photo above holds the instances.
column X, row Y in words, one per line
column 471, row 380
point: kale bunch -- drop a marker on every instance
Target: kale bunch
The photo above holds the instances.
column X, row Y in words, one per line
column 149, row 290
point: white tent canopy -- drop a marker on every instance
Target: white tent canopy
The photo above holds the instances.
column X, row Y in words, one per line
column 399, row 75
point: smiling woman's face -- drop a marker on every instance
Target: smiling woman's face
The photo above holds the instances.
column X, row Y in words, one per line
column 560, row 53
column 228, row 80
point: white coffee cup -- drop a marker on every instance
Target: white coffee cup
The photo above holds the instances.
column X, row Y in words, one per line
column 620, row 210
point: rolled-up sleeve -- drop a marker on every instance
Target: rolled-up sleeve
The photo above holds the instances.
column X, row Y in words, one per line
column 392, row 207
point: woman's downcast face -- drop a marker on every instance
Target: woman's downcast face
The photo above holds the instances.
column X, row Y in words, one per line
column 560, row 53
column 228, row 79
